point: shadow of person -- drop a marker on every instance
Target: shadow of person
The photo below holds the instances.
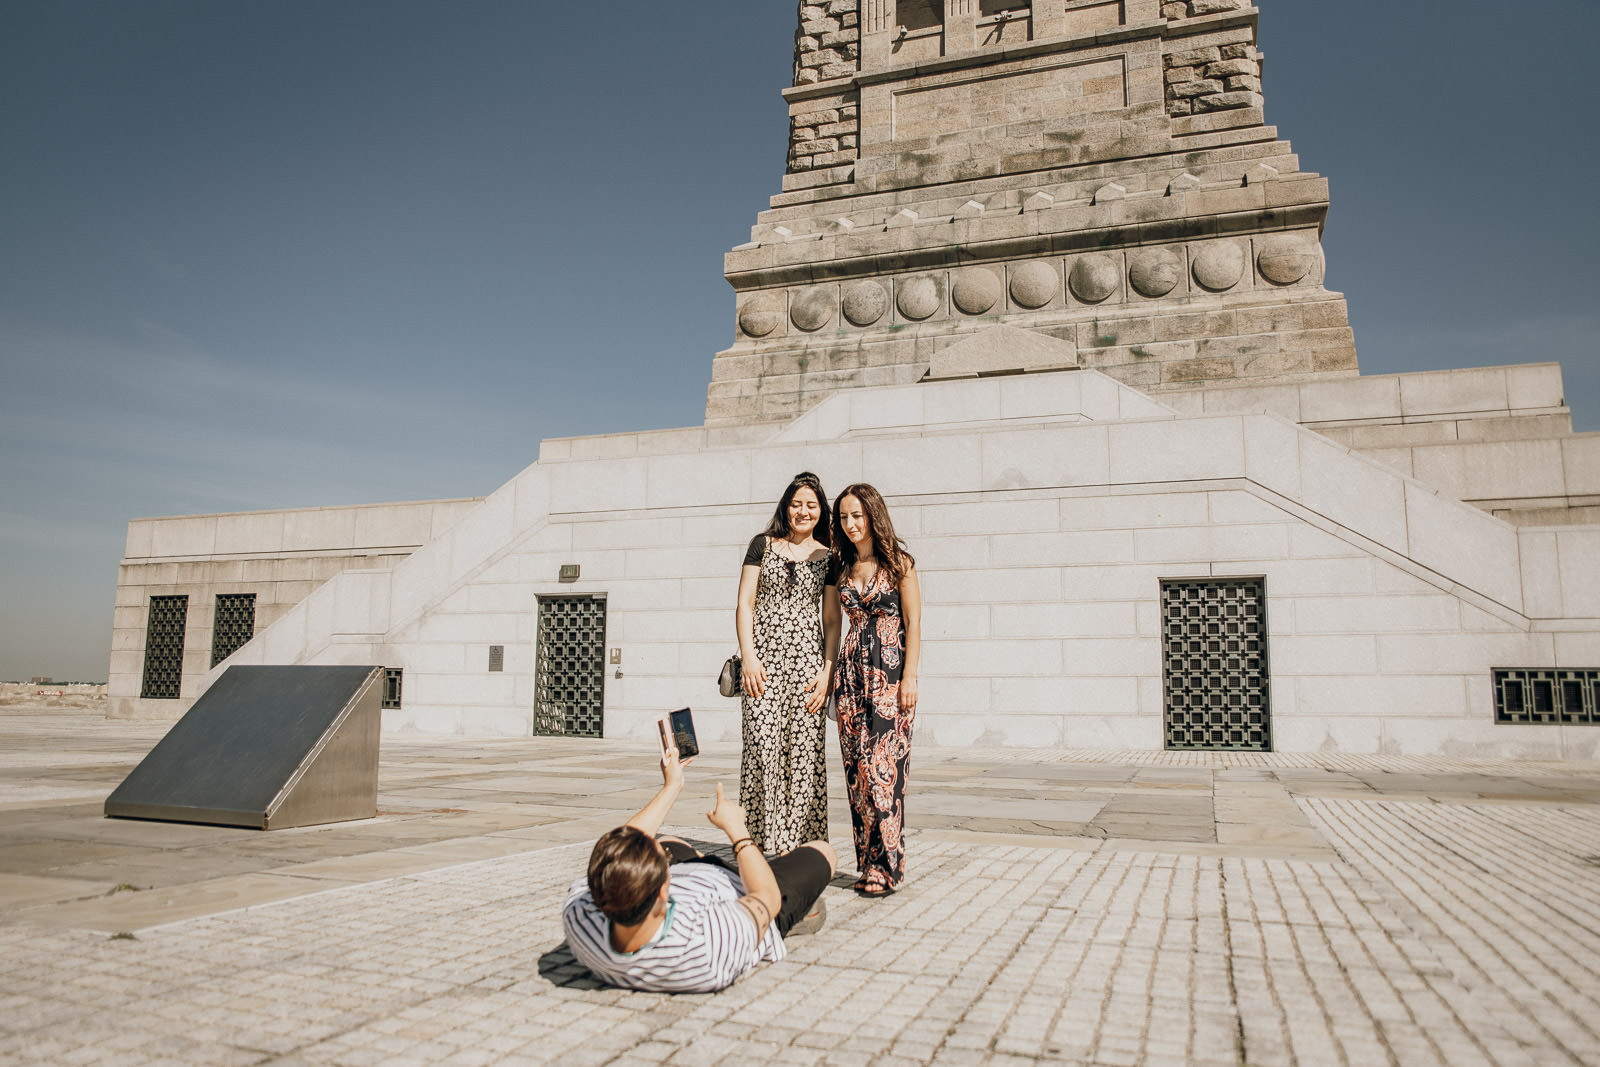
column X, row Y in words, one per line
column 559, row 968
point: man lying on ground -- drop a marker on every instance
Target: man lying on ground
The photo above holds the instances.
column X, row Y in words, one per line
column 656, row 914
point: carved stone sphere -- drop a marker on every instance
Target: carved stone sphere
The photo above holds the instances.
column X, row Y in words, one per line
column 865, row 302
column 1094, row 277
column 976, row 290
column 758, row 317
column 812, row 309
column 1219, row 265
column 1154, row 272
column 1033, row 285
column 917, row 297
column 1285, row 260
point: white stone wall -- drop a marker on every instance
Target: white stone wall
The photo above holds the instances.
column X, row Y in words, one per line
column 1499, row 438
column 281, row 556
column 1044, row 510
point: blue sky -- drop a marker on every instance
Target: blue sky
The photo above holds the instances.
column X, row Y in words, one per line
column 310, row 252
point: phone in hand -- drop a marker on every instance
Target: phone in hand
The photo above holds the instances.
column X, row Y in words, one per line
column 681, row 725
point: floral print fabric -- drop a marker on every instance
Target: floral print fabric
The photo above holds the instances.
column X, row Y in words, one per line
column 783, row 772
column 874, row 733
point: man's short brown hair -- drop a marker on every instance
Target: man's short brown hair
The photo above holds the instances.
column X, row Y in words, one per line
column 626, row 872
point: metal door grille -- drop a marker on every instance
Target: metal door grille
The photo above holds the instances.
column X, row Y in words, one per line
column 233, row 624
column 163, row 647
column 1214, row 652
column 393, row 679
column 1533, row 697
column 569, row 678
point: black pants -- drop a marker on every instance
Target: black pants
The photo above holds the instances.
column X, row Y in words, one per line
column 802, row 875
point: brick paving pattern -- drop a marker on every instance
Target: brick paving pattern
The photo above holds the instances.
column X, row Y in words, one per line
column 1210, row 912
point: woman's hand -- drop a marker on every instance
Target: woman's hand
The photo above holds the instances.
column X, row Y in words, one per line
column 817, row 691
column 753, row 677
column 908, row 693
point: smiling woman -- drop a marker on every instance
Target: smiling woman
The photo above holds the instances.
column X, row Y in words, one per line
column 788, row 625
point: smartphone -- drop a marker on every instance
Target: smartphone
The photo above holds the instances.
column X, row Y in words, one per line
column 682, row 725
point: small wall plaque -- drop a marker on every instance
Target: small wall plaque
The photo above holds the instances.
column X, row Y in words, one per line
column 616, row 655
column 497, row 657
column 569, row 572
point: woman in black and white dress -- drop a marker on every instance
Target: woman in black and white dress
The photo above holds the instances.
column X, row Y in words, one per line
column 788, row 638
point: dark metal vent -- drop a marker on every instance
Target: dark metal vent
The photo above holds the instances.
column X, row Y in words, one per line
column 163, row 647
column 391, row 686
column 1536, row 697
column 569, row 678
column 1214, row 664
column 235, row 623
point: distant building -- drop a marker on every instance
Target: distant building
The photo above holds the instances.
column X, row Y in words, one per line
column 1044, row 275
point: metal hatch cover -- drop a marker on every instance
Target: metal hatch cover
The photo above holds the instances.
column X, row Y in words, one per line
column 267, row 748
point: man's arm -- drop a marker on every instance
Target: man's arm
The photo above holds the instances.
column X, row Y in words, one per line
column 761, row 896
column 650, row 817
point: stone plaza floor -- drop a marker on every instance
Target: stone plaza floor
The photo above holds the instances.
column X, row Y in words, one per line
column 1077, row 907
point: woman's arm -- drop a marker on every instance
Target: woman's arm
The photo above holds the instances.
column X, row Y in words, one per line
column 911, row 618
column 817, row 693
column 753, row 674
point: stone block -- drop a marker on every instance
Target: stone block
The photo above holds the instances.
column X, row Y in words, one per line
column 1475, row 550
column 1231, row 68
column 1031, row 459
column 1352, row 492
column 1060, row 549
column 1578, row 554
column 1536, row 385
column 1140, row 511
column 1580, row 465
column 1176, row 451
column 926, row 465
column 1454, row 391
column 1197, row 57
column 1200, row 87
column 1019, row 516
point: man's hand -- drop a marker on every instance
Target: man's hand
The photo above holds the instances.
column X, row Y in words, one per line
column 671, row 766
column 727, row 816
column 650, row 817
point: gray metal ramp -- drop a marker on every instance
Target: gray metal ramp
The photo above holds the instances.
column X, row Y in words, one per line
column 267, row 748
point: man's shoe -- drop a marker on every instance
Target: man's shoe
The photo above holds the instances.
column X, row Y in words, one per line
column 812, row 922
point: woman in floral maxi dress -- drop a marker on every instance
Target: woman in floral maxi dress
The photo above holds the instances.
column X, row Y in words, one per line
column 788, row 625
column 875, row 686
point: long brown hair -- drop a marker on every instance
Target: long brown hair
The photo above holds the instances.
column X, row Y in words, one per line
column 890, row 551
column 779, row 526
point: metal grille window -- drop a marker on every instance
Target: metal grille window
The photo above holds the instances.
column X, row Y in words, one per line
column 1535, row 697
column 233, row 625
column 1214, row 669
column 569, row 678
column 163, row 647
column 391, row 686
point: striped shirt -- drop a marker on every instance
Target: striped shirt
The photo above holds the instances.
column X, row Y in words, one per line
column 705, row 944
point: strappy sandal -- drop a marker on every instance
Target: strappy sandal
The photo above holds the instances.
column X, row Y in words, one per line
column 874, row 884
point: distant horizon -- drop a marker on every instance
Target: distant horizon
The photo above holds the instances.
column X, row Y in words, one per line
column 283, row 255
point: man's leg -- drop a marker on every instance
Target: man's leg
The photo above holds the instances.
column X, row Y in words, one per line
column 802, row 875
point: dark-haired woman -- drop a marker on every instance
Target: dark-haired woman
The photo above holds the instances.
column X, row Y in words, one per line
column 875, row 687
column 788, row 638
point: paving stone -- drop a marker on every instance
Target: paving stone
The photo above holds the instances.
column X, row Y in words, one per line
column 1457, row 929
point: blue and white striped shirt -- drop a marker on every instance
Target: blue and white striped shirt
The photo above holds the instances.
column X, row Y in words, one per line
column 705, row 944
